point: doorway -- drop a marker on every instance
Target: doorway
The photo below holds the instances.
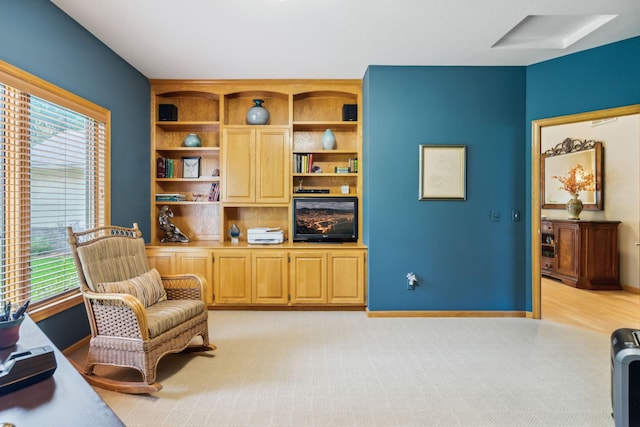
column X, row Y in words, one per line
column 596, row 118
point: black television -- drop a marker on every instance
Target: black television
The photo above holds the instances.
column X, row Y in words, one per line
column 325, row 219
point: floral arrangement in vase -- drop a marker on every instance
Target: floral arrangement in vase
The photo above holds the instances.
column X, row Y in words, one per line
column 576, row 180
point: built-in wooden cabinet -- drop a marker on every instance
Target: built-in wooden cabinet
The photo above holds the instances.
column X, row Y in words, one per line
column 196, row 262
column 346, row 276
column 309, row 278
column 246, row 277
column 232, row 277
column 333, row 277
column 583, row 254
column 162, row 260
column 269, row 277
column 256, row 165
column 278, row 275
column 248, row 176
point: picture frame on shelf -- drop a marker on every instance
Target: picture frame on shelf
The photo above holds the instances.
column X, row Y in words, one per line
column 442, row 172
column 191, row 167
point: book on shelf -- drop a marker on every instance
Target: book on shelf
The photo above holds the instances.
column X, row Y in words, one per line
column 168, row 168
column 303, row 163
column 160, row 167
column 170, row 197
column 214, row 193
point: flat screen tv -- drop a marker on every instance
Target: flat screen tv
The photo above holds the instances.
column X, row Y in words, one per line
column 325, row 219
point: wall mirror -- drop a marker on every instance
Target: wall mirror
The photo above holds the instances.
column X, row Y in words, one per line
column 559, row 159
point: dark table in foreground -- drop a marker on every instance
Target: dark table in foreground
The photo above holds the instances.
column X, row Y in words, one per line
column 65, row 399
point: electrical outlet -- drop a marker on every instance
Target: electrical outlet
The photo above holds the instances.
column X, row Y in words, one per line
column 515, row 215
column 494, row 215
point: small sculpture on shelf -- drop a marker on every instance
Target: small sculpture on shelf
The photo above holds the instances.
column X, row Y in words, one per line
column 171, row 232
column 234, row 233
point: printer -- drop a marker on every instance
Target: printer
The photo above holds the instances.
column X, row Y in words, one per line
column 265, row 235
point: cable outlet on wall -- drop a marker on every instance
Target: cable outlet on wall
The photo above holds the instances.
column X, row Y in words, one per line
column 494, row 215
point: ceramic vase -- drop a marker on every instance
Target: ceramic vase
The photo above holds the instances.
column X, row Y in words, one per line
column 574, row 207
column 192, row 140
column 234, row 233
column 328, row 140
column 258, row 115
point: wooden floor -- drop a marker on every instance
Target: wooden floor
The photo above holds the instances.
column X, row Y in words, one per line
column 603, row 311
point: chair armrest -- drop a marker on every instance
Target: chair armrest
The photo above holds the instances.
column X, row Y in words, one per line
column 184, row 286
column 116, row 315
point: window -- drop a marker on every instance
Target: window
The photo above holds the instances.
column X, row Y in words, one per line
column 53, row 174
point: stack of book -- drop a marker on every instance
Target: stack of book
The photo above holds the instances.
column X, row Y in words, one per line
column 303, row 163
column 170, row 197
column 168, row 168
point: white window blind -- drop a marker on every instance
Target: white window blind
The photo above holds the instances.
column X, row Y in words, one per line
column 53, row 174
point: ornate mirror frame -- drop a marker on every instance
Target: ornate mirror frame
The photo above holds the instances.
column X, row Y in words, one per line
column 558, row 160
column 537, row 127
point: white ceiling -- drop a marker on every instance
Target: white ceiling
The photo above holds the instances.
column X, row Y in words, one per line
column 242, row 39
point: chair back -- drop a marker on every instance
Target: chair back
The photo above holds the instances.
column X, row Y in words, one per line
column 108, row 254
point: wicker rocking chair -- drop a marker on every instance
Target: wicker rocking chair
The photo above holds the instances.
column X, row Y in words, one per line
column 136, row 316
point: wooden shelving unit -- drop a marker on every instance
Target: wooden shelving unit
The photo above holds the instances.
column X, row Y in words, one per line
column 255, row 169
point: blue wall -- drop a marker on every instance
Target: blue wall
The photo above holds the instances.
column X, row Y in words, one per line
column 463, row 260
column 604, row 77
column 39, row 38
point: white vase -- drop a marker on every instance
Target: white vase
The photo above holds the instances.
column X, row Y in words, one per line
column 328, row 140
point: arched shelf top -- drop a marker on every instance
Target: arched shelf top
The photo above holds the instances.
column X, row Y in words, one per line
column 325, row 94
column 260, row 94
column 189, row 94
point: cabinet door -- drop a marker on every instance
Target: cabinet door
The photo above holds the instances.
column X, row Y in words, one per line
column 567, row 249
column 269, row 278
column 272, row 166
column 161, row 260
column 232, row 277
column 197, row 262
column 308, row 278
column 238, row 165
column 346, row 277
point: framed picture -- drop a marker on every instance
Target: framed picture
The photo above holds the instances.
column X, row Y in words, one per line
column 191, row 167
column 443, row 172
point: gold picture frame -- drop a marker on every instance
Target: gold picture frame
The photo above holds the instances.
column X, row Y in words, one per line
column 558, row 160
column 443, row 172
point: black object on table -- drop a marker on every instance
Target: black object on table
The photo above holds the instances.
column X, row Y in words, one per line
column 64, row 398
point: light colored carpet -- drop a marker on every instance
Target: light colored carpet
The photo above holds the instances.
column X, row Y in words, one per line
column 276, row 368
